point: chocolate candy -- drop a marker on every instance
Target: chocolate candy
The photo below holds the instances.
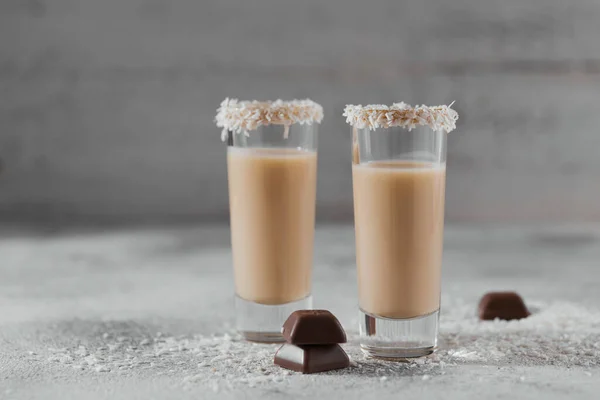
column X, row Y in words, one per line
column 311, row 359
column 502, row 305
column 312, row 338
column 313, row 327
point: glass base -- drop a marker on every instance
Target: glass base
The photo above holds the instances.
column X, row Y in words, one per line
column 398, row 338
column 263, row 323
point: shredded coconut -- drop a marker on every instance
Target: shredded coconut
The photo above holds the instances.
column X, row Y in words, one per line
column 559, row 334
column 373, row 116
column 244, row 116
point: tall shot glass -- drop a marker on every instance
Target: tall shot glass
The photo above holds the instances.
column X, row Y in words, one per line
column 399, row 175
column 272, row 175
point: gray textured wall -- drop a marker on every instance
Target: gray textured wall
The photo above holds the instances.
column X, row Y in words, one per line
column 106, row 107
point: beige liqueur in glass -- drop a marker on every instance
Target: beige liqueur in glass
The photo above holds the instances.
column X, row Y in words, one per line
column 399, row 175
column 272, row 175
column 399, row 215
column 272, row 203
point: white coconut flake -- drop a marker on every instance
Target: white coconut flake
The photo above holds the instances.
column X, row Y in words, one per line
column 374, row 116
column 244, row 116
column 558, row 334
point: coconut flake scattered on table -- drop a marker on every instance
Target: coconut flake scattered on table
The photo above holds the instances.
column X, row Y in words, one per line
column 560, row 334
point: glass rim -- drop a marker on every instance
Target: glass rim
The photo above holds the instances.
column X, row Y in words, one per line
column 244, row 116
column 374, row 116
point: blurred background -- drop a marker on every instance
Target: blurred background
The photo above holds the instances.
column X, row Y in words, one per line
column 107, row 107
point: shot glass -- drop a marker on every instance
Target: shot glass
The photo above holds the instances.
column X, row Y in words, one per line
column 272, row 175
column 399, row 175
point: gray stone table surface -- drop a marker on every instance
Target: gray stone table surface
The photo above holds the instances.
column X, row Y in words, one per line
column 148, row 314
